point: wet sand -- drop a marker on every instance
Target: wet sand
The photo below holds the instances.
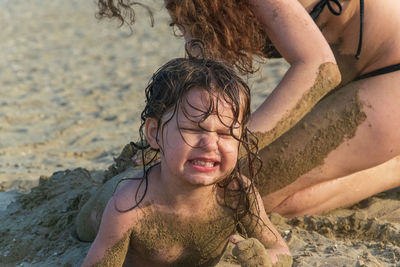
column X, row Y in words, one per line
column 71, row 91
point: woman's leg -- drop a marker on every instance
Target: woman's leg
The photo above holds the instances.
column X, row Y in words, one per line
column 343, row 191
column 353, row 129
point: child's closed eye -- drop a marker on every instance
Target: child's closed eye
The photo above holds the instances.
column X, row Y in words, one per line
column 225, row 134
column 190, row 129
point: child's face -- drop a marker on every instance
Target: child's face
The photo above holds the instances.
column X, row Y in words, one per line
column 193, row 155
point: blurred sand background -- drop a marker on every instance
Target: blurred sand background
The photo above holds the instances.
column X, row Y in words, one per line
column 71, row 92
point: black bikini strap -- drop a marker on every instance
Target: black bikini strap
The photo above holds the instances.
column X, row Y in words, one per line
column 317, row 10
column 388, row 69
column 360, row 39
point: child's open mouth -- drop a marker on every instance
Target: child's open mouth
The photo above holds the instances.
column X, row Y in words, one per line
column 203, row 163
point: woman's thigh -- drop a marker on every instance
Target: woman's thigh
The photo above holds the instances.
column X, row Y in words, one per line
column 344, row 191
column 354, row 128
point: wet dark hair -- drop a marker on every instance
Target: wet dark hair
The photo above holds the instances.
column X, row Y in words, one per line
column 167, row 91
column 229, row 29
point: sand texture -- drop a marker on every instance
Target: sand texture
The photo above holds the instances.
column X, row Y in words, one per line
column 71, row 91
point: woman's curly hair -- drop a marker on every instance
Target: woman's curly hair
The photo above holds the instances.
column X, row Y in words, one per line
column 229, row 29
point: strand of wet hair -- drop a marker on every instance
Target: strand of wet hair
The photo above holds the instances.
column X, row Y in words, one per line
column 193, row 47
column 146, row 171
column 251, row 157
column 109, row 9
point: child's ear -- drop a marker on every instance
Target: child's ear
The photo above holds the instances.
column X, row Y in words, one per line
column 150, row 130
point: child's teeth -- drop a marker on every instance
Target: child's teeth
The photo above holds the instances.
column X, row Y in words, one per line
column 203, row 163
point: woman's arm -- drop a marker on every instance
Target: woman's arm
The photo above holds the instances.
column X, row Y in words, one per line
column 312, row 74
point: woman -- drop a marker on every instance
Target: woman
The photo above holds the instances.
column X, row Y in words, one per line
column 357, row 126
column 315, row 166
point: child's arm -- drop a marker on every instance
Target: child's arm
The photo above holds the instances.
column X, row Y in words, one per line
column 265, row 246
column 112, row 241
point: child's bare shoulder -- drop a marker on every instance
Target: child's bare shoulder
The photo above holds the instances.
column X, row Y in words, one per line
column 133, row 198
column 132, row 195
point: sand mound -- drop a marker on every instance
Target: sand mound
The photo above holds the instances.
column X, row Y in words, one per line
column 37, row 227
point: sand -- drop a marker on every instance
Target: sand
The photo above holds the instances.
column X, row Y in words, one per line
column 71, row 91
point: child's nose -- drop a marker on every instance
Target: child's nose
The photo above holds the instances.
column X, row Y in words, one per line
column 209, row 140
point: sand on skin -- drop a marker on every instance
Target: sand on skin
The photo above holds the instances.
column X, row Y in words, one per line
column 71, row 90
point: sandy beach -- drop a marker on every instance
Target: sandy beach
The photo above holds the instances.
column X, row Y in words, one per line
column 71, row 92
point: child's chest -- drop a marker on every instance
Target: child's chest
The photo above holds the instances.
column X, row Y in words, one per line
column 172, row 240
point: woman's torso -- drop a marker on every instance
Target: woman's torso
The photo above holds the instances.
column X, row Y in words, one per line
column 380, row 36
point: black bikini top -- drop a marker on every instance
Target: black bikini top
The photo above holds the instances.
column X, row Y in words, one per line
column 316, row 11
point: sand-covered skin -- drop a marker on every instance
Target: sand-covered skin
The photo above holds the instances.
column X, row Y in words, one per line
column 327, row 79
column 71, row 90
column 308, row 143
